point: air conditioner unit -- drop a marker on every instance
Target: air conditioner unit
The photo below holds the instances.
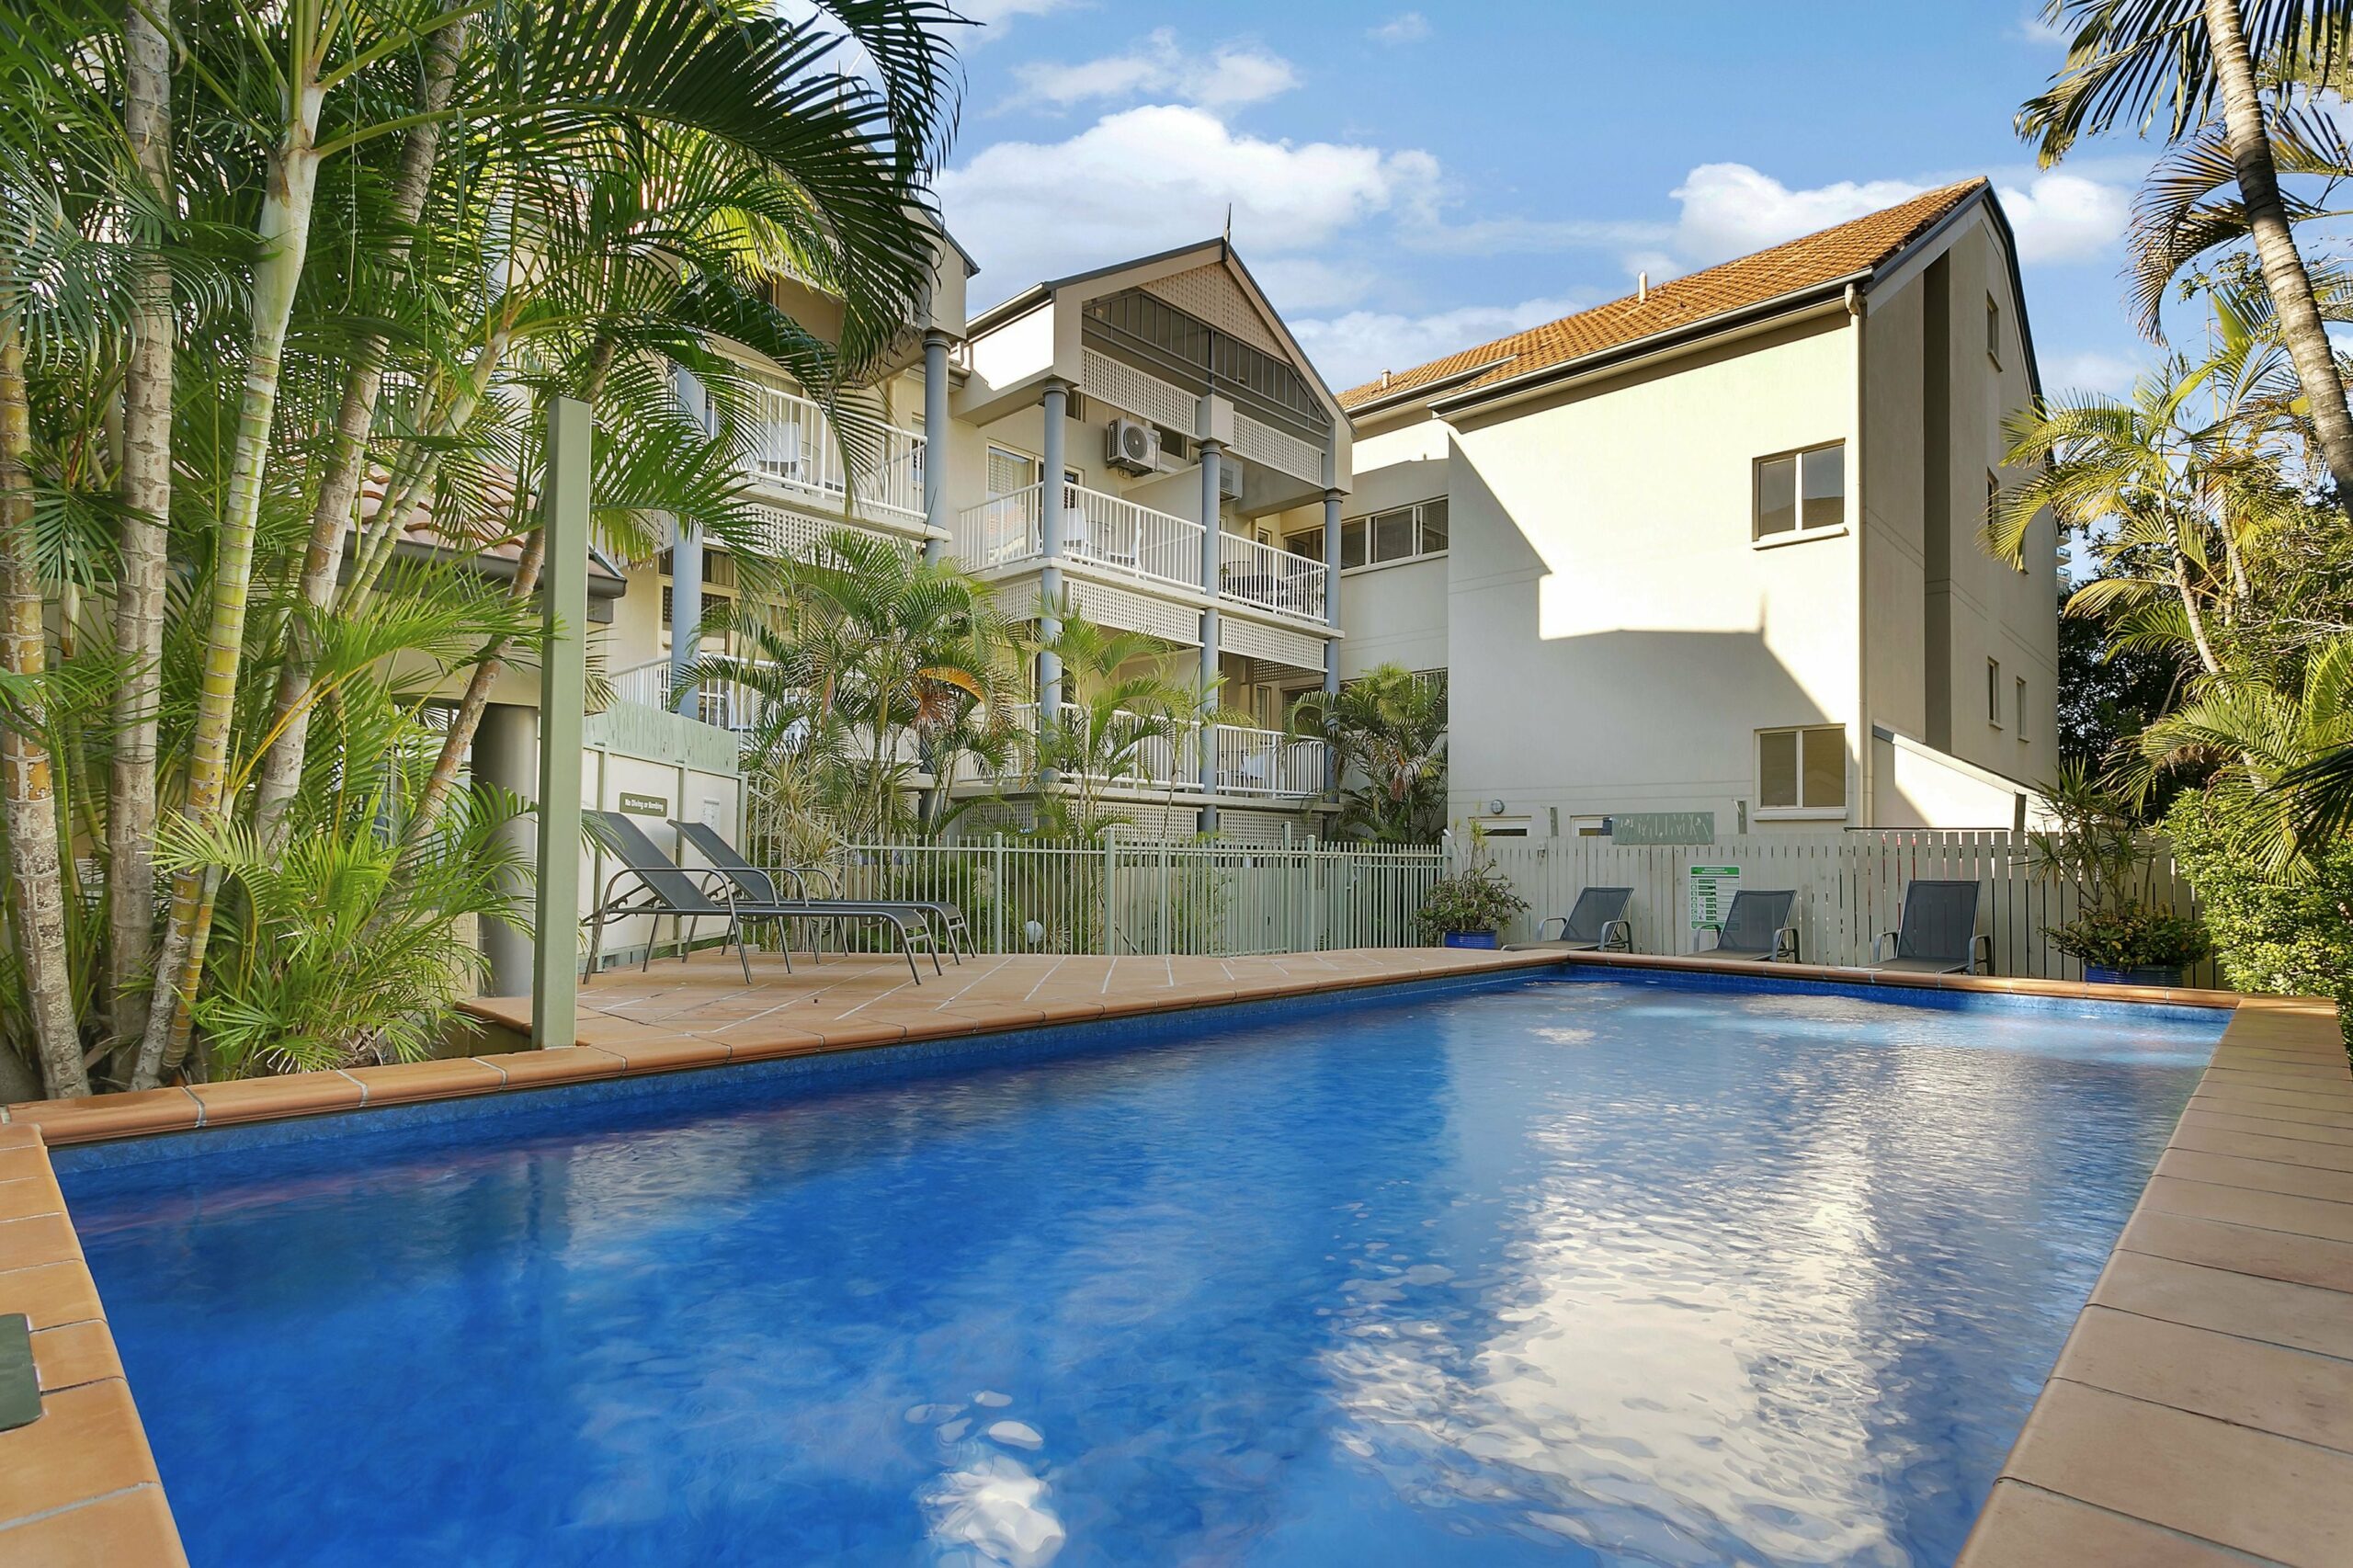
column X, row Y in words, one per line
column 1229, row 478
column 1131, row 444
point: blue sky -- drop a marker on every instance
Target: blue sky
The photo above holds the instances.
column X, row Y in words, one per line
column 1407, row 180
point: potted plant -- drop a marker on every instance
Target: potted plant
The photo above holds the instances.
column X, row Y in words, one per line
column 2095, row 847
column 1468, row 908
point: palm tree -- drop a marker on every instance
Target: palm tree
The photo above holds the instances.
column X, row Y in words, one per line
column 1123, row 719
column 2130, row 60
column 2170, row 488
column 1387, row 731
column 866, row 667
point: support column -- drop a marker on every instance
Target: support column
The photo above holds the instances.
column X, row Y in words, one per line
column 935, row 440
column 686, row 566
column 1055, row 401
column 1332, row 499
column 1213, row 453
column 563, row 696
column 507, row 753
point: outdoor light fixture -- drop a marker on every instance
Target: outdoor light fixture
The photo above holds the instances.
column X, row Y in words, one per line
column 1494, row 808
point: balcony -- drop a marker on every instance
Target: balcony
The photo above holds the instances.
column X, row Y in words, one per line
column 1266, row 764
column 794, row 450
column 1135, row 541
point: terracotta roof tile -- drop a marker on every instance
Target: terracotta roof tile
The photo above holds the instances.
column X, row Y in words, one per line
column 1849, row 247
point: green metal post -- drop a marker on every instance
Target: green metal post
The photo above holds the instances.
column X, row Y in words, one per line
column 563, row 682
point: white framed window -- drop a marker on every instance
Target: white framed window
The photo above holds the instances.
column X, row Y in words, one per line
column 1010, row 472
column 1800, row 494
column 1400, row 533
column 1801, row 771
column 1994, row 692
column 1994, row 331
column 2018, row 713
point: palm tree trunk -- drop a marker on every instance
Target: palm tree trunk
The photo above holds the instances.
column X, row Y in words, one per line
column 281, row 770
column 2284, row 275
column 37, row 907
column 467, row 720
column 285, row 233
column 144, row 533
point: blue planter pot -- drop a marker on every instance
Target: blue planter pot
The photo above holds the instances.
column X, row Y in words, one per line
column 1471, row 940
column 2099, row 976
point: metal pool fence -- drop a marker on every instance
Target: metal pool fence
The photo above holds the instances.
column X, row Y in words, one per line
column 1849, row 886
column 1120, row 896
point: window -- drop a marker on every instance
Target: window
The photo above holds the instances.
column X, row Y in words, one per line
column 1994, row 692
column 2018, row 714
column 1800, row 493
column 1993, row 332
column 1308, row 543
column 1801, row 771
column 1009, row 472
column 1399, row 534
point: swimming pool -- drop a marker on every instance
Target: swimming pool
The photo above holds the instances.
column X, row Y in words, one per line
column 1569, row 1270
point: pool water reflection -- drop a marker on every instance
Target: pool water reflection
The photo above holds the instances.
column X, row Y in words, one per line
column 1551, row 1271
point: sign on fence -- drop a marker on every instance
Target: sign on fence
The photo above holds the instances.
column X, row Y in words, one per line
column 1664, row 827
column 1711, row 891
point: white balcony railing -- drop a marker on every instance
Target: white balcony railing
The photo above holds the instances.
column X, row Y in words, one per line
column 1161, row 761
column 1099, row 528
column 725, row 704
column 1266, row 762
column 1259, row 574
column 1137, row 541
column 794, row 447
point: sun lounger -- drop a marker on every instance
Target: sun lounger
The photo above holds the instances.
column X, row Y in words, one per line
column 1595, row 924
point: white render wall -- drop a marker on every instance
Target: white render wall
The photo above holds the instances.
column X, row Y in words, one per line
column 1614, row 639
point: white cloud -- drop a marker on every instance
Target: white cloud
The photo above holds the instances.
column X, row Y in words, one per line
column 1149, row 178
column 1355, row 347
column 1730, row 209
column 2089, row 370
column 2032, row 28
column 993, row 13
column 1411, row 27
column 1160, row 66
column 2065, row 217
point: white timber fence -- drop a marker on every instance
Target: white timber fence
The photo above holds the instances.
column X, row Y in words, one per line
column 1120, row 896
column 1850, row 887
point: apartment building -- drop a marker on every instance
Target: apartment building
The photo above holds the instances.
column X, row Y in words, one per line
column 1135, row 444
column 1708, row 554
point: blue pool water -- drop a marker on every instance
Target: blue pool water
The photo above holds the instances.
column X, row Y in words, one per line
column 1544, row 1272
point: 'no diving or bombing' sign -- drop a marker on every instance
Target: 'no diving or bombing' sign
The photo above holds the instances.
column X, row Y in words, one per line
column 1711, row 888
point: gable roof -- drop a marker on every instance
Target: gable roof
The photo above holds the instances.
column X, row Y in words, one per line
column 1860, row 245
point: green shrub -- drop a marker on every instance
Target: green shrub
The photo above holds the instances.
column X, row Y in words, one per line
column 1480, row 898
column 2272, row 933
column 2132, row 936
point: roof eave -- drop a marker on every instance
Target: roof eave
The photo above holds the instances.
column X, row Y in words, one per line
column 1642, row 347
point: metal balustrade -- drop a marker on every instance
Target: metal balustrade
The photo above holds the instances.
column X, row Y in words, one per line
column 1099, row 528
column 1262, row 575
column 1266, row 762
column 794, row 447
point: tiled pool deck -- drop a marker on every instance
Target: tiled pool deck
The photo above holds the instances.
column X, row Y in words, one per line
column 2201, row 1413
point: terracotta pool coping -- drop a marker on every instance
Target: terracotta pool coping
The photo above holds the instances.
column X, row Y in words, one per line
column 2202, row 1411
column 77, row 1485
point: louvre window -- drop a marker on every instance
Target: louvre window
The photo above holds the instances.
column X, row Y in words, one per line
column 1399, row 534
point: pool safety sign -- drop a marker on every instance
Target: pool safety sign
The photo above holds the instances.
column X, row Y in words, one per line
column 1711, row 888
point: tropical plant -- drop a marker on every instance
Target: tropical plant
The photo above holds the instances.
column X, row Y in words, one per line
column 2131, row 62
column 2272, row 933
column 1124, row 719
column 2097, row 848
column 1387, row 731
column 870, row 666
column 218, row 459
column 1478, row 898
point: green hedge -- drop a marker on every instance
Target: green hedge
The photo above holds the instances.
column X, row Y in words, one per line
column 2272, row 933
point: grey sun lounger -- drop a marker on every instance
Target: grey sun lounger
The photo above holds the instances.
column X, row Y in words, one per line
column 1757, row 927
column 765, row 886
column 661, row 889
column 1596, row 923
column 642, row 860
column 1938, row 933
